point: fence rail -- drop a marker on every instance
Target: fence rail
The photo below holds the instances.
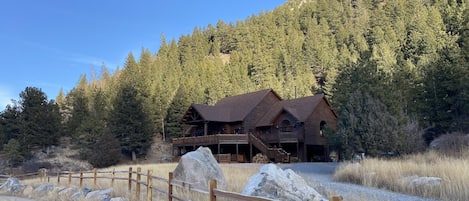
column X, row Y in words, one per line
column 137, row 179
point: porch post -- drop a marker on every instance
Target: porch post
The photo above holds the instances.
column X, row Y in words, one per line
column 298, row 149
column 205, row 127
column 305, row 154
column 250, row 152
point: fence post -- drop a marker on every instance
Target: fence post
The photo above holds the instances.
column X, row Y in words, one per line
column 130, row 179
column 149, row 182
column 170, row 186
column 48, row 177
column 94, row 177
column 137, row 188
column 212, row 185
column 58, row 176
column 113, row 175
column 70, row 176
column 81, row 178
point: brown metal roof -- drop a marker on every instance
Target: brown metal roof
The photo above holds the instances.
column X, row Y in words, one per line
column 233, row 108
column 299, row 108
column 212, row 113
column 236, row 108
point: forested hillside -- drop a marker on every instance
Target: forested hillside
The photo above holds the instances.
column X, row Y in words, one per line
column 396, row 72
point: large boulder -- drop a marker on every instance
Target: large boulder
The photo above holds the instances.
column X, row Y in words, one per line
column 12, row 185
column 274, row 183
column 66, row 193
column 43, row 189
column 199, row 167
column 99, row 195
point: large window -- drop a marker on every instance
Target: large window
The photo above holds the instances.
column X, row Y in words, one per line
column 285, row 126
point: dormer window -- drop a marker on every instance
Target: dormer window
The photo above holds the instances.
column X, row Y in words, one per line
column 286, row 126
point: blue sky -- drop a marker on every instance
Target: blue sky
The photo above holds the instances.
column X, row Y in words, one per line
column 49, row 44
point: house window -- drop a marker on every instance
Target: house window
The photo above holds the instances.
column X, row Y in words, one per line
column 285, row 126
column 322, row 126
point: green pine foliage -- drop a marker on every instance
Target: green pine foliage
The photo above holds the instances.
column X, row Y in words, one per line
column 13, row 152
column 105, row 152
column 129, row 123
column 408, row 57
column 39, row 120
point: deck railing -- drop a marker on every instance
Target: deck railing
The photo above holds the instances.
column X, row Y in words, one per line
column 212, row 139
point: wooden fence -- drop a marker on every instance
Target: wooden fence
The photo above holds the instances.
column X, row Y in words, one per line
column 137, row 179
column 41, row 174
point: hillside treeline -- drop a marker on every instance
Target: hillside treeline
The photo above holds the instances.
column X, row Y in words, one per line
column 395, row 71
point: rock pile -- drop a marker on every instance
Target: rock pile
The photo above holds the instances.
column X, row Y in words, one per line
column 45, row 191
column 260, row 158
column 274, row 183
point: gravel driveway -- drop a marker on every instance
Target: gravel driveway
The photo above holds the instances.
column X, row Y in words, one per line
column 319, row 175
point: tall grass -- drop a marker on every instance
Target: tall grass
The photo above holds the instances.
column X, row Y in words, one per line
column 391, row 174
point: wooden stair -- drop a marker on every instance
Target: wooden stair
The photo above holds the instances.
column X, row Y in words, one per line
column 275, row 154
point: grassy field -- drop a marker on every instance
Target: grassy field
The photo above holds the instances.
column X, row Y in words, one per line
column 389, row 174
column 236, row 178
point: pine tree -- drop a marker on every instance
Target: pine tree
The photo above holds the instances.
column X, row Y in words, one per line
column 79, row 113
column 129, row 123
column 13, row 152
column 176, row 111
column 105, row 152
column 40, row 120
column 443, row 95
column 366, row 126
column 10, row 122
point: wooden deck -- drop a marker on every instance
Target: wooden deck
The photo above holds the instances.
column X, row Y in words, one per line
column 276, row 154
column 212, row 139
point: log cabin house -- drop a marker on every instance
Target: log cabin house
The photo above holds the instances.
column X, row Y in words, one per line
column 238, row 127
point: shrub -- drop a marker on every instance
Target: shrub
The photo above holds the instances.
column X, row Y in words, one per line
column 452, row 144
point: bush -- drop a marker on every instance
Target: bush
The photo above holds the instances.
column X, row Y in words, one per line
column 452, row 144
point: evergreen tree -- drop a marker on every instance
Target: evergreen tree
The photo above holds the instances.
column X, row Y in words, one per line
column 443, row 95
column 366, row 126
column 13, row 152
column 79, row 113
column 176, row 111
column 105, row 152
column 129, row 123
column 40, row 120
column 10, row 122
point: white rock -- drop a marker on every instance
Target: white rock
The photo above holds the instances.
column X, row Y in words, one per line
column 99, row 195
column 199, row 167
column 118, row 199
column 418, row 182
column 274, row 183
column 43, row 189
column 67, row 192
column 12, row 185
column 427, row 181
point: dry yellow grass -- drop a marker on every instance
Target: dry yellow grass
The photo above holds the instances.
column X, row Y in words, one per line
column 236, row 177
column 389, row 174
